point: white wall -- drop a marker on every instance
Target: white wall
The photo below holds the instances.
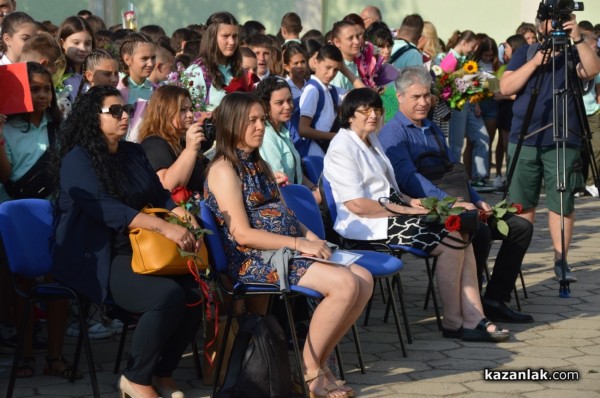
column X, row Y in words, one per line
column 498, row 18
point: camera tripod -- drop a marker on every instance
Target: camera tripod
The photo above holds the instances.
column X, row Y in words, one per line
column 564, row 95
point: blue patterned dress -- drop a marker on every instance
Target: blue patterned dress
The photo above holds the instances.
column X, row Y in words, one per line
column 265, row 211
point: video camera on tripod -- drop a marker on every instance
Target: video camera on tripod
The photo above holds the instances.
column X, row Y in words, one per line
column 559, row 11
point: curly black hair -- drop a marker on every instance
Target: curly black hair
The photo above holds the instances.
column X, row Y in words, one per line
column 82, row 128
column 267, row 86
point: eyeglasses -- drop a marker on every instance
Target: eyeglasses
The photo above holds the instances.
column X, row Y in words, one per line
column 117, row 110
column 367, row 111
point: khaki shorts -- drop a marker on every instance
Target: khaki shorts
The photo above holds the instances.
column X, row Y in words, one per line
column 536, row 164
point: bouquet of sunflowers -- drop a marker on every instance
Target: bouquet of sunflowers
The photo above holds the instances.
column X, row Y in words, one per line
column 456, row 83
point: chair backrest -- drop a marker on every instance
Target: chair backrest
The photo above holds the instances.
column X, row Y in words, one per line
column 313, row 167
column 301, row 200
column 328, row 193
column 215, row 244
column 26, row 227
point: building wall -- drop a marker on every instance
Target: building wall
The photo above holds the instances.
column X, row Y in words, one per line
column 498, row 18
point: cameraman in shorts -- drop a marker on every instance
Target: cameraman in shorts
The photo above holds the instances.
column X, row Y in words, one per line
column 537, row 160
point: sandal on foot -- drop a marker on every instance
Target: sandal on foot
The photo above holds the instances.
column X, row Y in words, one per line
column 25, row 367
column 63, row 370
column 340, row 383
column 330, row 391
column 480, row 333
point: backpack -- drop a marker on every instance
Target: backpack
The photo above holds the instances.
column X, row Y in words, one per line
column 258, row 365
column 303, row 144
column 399, row 52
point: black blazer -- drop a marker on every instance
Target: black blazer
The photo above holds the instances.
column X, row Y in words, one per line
column 89, row 219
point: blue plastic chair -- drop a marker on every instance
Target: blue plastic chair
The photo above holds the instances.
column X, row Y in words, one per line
column 219, row 266
column 313, row 167
column 26, row 228
column 382, row 266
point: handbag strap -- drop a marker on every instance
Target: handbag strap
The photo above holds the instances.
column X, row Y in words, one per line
column 155, row 210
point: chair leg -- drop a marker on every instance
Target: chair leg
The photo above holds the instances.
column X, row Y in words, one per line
column 361, row 361
column 196, row 358
column 83, row 334
column 219, row 364
column 430, row 287
column 396, row 281
column 338, row 357
column 13, row 369
column 517, row 298
column 382, row 291
column 368, row 310
column 290, row 317
column 122, row 340
column 396, row 318
column 523, row 284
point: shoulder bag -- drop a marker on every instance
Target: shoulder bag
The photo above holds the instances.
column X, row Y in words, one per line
column 154, row 254
column 37, row 181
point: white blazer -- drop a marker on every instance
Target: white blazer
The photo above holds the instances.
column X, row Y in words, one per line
column 355, row 172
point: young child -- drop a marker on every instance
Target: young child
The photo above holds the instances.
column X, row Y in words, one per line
column 17, row 28
column 291, row 26
column 165, row 63
column 249, row 61
column 101, row 68
column 76, row 38
column 26, row 138
column 261, row 46
column 43, row 49
column 295, row 67
column 138, row 54
column 318, row 104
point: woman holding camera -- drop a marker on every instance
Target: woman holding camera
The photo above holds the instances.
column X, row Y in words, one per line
column 172, row 140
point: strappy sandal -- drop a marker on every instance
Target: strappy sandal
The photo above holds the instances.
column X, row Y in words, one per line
column 480, row 333
column 340, row 383
column 330, row 391
column 25, row 367
column 65, row 370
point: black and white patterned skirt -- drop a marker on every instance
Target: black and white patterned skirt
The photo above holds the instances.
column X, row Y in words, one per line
column 415, row 232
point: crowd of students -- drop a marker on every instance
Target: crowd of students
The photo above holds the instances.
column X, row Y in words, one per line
column 170, row 91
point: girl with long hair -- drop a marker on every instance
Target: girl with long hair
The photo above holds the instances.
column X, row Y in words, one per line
column 17, row 28
column 76, row 38
column 24, row 139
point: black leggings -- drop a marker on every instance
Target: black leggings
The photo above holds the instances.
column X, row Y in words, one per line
column 167, row 324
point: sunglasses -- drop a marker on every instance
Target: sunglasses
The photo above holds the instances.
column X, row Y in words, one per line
column 367, row 111
column 117, row 110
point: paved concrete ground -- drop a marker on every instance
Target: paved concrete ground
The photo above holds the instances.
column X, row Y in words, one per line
column 565, row 336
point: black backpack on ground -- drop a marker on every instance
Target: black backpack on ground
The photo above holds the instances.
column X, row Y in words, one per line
column 259, row 365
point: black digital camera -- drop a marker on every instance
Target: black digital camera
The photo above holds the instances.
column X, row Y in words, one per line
column 559, row 11
column 210, row 134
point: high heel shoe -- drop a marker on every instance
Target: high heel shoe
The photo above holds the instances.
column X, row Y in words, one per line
column 127, row 390
column 330, row 391
column 165, row 392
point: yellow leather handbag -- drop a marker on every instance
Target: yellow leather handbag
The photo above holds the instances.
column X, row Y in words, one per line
column 153, row 254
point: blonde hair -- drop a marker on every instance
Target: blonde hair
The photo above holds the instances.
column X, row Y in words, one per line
column 432, row 45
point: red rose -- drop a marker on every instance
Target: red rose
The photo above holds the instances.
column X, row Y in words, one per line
column 475, row 83
column 483, row 216
column 518, row 206
column 181, row 195
column 452, row 223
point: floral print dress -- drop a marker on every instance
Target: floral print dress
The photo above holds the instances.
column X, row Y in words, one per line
column 265, row 211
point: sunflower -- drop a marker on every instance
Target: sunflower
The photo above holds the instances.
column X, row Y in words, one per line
column 470, row 67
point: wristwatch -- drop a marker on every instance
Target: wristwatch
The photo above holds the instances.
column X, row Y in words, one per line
column 581, row 40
